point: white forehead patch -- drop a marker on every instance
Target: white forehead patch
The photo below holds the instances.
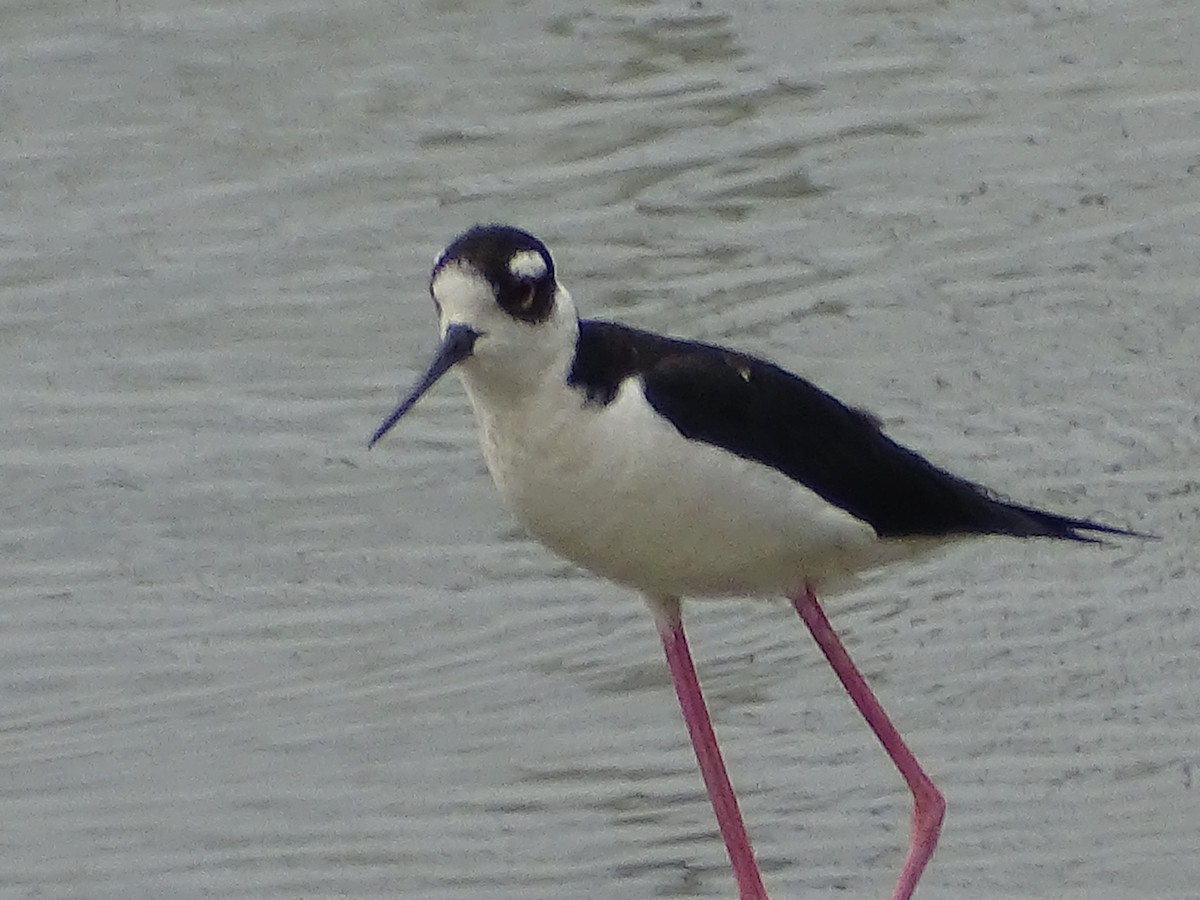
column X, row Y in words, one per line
column 527, row 264
column 461, row 292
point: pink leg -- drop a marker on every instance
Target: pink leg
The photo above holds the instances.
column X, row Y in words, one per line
column 928, row 804
column 704, row 741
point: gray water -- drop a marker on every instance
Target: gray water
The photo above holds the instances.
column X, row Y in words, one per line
column 242, row 657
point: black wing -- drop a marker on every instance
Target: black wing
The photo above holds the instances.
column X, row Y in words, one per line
column 761, row 412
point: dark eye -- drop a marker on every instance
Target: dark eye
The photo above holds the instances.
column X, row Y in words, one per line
column 525, row 295
column 526, row 288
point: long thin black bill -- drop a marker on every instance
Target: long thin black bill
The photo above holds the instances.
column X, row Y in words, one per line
column 457, row 344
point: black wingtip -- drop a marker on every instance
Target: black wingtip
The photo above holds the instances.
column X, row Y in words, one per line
column 1039, row 523
column 1112, row 531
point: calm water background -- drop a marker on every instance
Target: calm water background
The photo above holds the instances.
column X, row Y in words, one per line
column 242, row 657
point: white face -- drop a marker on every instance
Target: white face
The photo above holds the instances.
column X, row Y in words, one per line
column 509, row 349
column 508, row 328
column 463, row 295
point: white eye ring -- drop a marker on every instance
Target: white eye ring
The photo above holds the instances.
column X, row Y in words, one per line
column 527, row 264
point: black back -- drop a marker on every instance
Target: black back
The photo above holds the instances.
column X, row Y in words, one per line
column 763, row 413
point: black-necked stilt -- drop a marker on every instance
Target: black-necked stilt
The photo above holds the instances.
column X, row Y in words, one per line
column 684, row 469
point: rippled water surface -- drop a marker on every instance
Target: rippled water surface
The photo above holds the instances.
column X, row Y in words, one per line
column 242, row 657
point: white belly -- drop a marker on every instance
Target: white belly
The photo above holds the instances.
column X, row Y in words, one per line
column 617, row 490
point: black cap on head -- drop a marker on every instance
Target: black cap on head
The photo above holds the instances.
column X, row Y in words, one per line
column 515, row 263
